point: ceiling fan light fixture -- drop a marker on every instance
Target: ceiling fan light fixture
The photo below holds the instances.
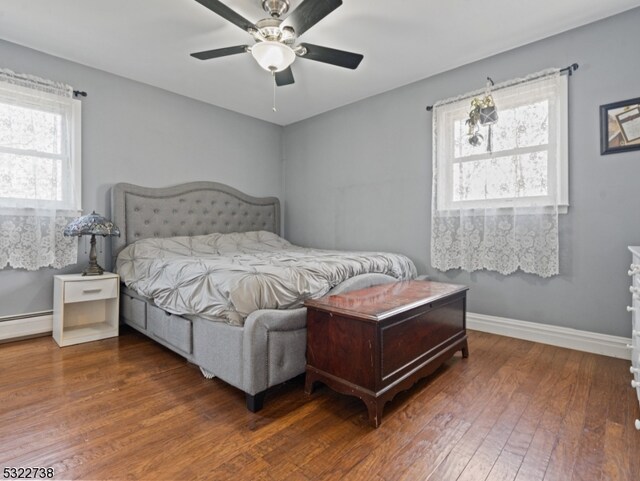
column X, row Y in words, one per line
column 273, row 56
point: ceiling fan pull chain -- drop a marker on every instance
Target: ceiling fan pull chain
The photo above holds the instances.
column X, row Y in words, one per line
column 273, row 74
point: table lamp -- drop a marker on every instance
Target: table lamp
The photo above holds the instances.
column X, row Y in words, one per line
column 92, row 224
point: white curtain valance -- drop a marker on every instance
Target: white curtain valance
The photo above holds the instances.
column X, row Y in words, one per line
column 499, row 86
column 35, row 83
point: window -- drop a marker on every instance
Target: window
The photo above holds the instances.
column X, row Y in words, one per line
column 39, row 171
column 39, row 149
column 497, row 208
column 528, row 162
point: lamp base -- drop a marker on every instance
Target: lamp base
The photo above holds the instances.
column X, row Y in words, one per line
column 93, row 269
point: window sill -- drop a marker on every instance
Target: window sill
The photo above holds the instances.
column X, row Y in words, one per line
column 487, row 211
column 30, row 211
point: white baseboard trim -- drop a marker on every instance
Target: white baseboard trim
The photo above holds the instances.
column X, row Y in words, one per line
column 604, row 344
column 27, row 326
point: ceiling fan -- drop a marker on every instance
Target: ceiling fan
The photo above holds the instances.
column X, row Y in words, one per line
column 275, row 47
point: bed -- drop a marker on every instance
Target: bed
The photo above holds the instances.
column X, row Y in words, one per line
column 181, row 237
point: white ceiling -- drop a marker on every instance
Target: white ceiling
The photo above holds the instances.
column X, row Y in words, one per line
column 402, row 41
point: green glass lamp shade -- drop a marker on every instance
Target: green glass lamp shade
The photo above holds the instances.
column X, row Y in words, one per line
column 93, row 225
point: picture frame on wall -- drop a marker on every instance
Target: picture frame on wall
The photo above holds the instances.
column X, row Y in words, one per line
column 620, row 126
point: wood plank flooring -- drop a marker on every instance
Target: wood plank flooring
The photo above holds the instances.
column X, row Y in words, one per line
column 126, row 408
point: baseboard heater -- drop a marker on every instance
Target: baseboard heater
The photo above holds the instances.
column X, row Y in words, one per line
column 17, row 317
column 25, row 325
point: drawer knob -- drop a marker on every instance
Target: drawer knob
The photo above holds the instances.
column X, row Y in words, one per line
column 631, row 309
column 634, row 370
column 638, row 424
column 634, row 290
column 635, row 384
column 90, row 291
column 635, row 333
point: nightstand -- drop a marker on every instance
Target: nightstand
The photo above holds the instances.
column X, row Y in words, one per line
column 85, row 308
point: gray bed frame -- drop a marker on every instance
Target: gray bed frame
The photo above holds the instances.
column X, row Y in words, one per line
column 270, row 348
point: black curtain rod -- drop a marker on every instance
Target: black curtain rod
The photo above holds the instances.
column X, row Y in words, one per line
column 76, row 93
column 568, row 70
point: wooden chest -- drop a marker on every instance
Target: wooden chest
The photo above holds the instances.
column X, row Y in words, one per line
column 375, row 342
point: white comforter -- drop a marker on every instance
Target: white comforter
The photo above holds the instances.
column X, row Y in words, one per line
column 228, row 276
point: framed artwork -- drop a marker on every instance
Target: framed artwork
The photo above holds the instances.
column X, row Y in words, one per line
column 620, row 126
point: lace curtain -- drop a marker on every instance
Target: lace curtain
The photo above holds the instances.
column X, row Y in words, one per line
column 497, row 208
column 38, row 173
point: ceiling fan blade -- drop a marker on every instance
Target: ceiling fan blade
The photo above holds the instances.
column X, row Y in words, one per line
column 310, row 12
column 332, row 56
column 225, row 12
column 219, row 52
column 284, row 77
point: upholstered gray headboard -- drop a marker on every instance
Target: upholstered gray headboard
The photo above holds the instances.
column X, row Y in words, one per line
column 188, row 209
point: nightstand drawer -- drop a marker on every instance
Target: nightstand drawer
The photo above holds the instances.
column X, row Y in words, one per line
column 90, row 290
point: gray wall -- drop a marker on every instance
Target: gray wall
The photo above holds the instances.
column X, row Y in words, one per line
column 359, row 177
column 135, row 133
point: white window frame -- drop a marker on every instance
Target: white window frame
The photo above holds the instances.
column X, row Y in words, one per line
column 75, row 153
column 558, row 179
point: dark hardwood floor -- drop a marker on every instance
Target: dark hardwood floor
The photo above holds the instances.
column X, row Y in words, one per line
column 126, row 408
